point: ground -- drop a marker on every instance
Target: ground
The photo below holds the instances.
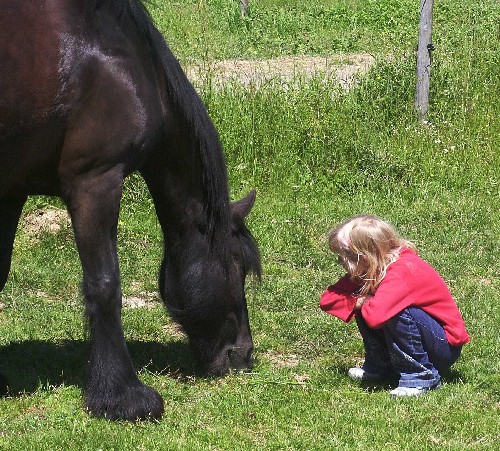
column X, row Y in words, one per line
column 344, row 68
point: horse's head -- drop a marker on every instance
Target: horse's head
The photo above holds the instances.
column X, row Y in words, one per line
column 205, row 294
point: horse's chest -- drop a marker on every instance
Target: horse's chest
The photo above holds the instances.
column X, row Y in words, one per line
column 29, row 160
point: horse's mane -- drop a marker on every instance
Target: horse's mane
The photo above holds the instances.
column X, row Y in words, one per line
column 203, row 135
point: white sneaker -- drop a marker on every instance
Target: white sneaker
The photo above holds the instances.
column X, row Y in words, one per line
column 359, row 374
column 412, row 391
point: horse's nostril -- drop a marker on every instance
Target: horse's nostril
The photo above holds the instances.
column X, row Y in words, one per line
column 240, row 356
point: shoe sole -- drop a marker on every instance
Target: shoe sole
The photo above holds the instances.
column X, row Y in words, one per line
column 413, row 394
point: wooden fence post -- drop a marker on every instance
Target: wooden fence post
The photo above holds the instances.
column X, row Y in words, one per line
column 244, row 8
column 424, row 51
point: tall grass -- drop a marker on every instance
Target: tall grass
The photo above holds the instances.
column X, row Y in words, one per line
column 214, row 28
column 371, row 130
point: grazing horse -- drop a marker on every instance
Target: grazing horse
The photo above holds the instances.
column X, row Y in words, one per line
column 89, row 93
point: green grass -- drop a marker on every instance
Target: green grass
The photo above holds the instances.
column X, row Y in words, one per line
column 316, row 156
column 213, row 28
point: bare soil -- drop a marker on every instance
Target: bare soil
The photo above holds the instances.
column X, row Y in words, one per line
column 46, row 220
column 281, row 360
column 344, row 68
column 141, row 300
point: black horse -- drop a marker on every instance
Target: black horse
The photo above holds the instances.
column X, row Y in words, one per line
column 89, row 93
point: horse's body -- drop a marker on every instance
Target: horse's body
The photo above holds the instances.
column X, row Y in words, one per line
column 90, row 92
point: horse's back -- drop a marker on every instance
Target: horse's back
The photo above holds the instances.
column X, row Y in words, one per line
column 78, row 92
column 30, row 33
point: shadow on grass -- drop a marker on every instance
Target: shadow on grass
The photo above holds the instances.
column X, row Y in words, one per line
column 29, row 364
column 449, row 376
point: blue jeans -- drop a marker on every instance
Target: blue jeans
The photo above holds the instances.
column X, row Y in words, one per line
column 412, row 345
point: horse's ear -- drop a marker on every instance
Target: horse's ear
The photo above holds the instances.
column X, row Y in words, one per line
column 241, row 208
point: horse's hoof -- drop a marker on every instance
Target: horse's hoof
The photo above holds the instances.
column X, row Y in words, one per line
column 135, row 403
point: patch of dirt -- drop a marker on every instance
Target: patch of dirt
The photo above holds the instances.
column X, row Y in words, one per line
column 485, row 281
column 142, row 300
column 282, row 361
column 174, row 330
column 47, row 220
column 344, row 68
column 302, row 379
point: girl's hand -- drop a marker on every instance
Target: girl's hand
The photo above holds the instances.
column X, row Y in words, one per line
column 360, row 301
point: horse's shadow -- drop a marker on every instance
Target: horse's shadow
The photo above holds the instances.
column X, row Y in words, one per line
column 27, row 365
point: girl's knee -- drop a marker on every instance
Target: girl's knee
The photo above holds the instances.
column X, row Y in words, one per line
column 404, row 317
column 411, row 316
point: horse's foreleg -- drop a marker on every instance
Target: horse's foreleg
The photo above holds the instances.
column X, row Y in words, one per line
column 112, row 388
column 10, row 211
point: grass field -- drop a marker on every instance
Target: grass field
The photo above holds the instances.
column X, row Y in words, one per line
column 316, row 155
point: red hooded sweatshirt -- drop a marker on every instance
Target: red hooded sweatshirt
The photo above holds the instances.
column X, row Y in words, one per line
column 409, row 282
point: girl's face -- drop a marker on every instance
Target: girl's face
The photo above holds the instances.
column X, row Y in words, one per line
column 353, row 263
column 342, row 261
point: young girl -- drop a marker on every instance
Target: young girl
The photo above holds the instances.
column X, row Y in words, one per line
column 410, row 324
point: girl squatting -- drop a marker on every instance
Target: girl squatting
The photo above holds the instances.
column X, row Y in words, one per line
column 410, row 324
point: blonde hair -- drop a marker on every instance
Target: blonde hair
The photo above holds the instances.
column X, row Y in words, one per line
column 366, row 246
